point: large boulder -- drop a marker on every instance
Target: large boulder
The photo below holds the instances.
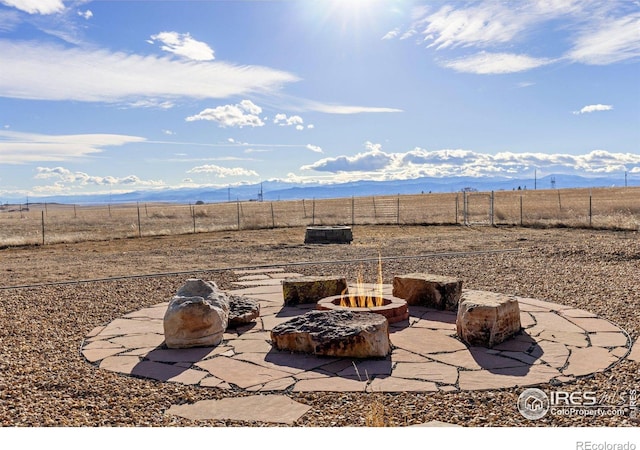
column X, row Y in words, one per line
column 425, row 289
column 487, row 318
column 197, row 315
column 335, row 333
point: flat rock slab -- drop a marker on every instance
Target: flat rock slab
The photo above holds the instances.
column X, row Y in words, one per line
column 259, row 408
column 335, row 333
column 310, row 289
column 424, row 289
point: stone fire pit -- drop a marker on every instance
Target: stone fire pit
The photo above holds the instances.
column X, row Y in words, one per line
column 393, row 308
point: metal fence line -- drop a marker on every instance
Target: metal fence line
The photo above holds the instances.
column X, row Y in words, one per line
column 604, row 208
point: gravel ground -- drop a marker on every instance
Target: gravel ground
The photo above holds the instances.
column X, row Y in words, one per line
column 45, row 381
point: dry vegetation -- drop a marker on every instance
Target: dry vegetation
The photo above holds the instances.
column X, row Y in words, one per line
column 46, row 382
column 603, row 208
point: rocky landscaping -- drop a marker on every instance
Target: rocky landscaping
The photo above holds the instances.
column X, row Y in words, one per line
column 51, row 297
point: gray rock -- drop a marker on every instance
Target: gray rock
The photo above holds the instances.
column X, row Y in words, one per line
column 242, row 310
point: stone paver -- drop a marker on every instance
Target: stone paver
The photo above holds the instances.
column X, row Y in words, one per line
column 396, row 384
column 429, row 371
column 634, row 355
column 558, row 343
column 608, row 339
column 584, row 361
column 262, row 408
column 241, row 373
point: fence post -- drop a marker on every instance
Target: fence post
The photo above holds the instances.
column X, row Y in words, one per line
column 304, row 209
column 590, row 209
column 457, row 207
column 75, row 215
column 273, row 217
column 491, row 203
column 353, row 211
column 398, row 211
column 139, row 227
column 375, row 213
column 521, row 223
column 42, row 214
column 238, row 212
column 193, row 216
column 559, row 202
column 464, row 207
column 313, row 212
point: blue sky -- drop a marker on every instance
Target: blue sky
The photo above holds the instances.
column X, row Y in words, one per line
column 114, row 96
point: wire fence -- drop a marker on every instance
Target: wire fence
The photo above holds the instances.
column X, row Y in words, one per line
column 605, row 208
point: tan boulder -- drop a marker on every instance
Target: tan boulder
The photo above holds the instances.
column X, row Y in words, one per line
column 425, row 289
column 197, row 315
column 487, row 318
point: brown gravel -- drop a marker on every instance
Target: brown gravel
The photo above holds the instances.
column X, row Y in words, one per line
column 45, row 381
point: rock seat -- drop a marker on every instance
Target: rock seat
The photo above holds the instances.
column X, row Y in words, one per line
column 335, row 333
column 424, row 289
column 487, row 318
column 310, row 289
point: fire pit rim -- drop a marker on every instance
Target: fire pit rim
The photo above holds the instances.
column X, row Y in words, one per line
column 395, row 304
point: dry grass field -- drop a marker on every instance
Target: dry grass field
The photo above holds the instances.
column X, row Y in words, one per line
column 603, row 208
column 51, row 296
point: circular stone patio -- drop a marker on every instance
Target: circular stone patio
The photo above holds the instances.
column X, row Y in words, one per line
column 558, row 344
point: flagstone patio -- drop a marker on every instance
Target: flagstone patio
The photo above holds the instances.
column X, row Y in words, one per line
column 558, row 344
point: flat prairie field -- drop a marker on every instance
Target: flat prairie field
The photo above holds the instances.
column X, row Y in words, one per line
column 52, row 296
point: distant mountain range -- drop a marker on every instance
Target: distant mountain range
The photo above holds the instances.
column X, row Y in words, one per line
column 279, row 190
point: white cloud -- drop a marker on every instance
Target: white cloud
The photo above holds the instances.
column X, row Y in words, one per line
column 612, row 41
column 36, row 6
column 495, row 63
column 593, row 108
column 9, row 20
column 20, row 148
column 372, row 160
column 346, row 109
column 314, row 148
column 377, row 165
column 240, row 115
column 391, row 34
column 481, row 25
column 223, row 172
column 85, row 14
column 183, row 45
column 597, row 32
column 284, row 121
column 151, row 103
column 37, row 71
column 64, row 178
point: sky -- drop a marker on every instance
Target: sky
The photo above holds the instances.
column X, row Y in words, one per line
column 113, row 96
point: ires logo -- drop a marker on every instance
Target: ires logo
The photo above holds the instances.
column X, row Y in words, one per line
column 533, row 403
